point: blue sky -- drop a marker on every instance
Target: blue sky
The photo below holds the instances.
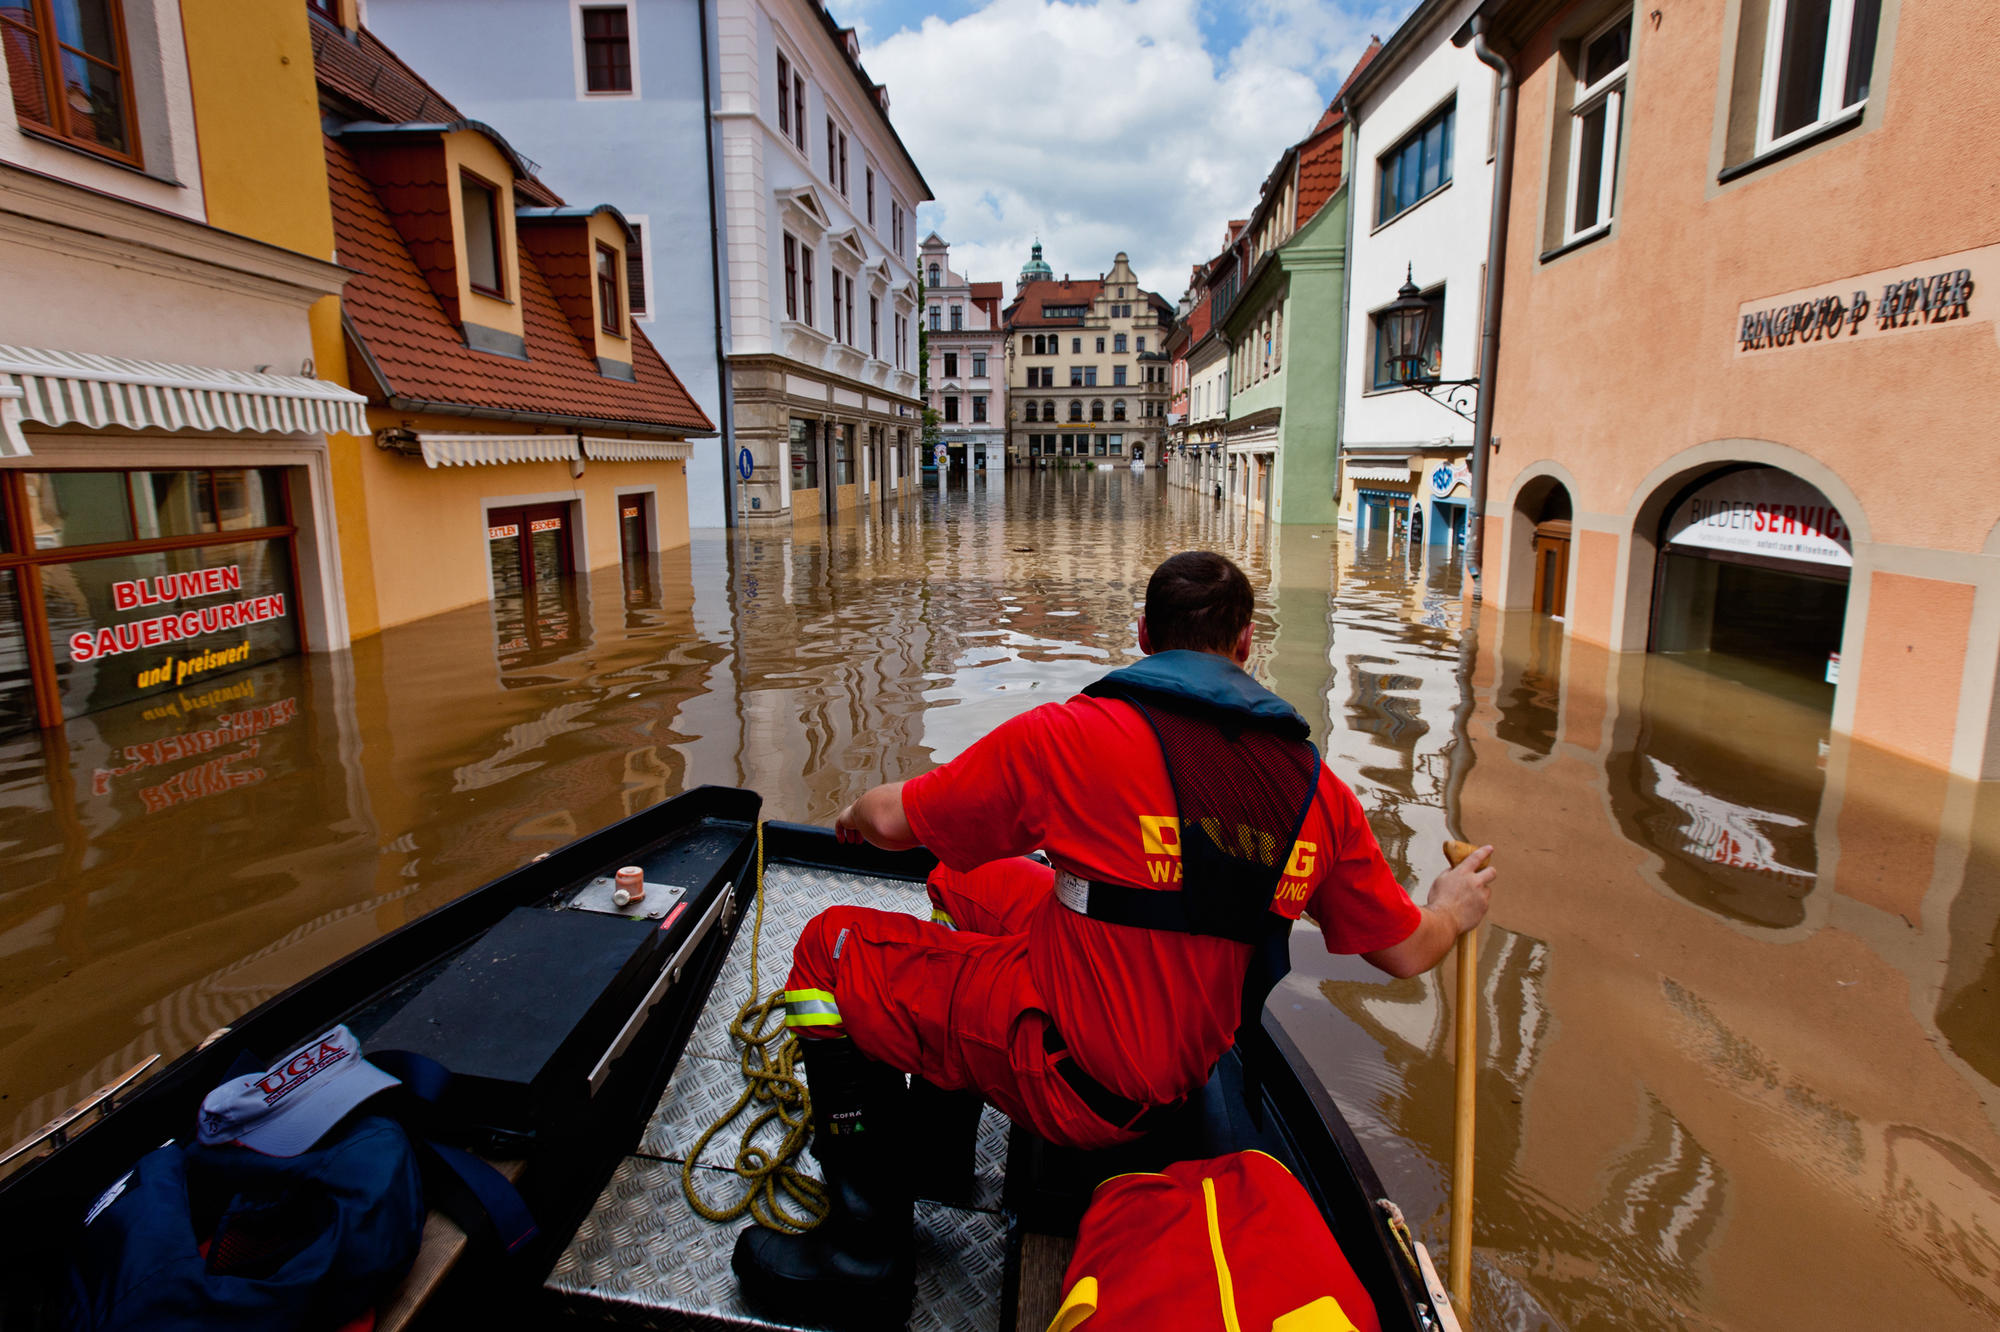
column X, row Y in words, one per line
column 1103, row 125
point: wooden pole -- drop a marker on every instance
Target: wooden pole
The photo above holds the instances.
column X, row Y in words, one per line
column 1465, row 1070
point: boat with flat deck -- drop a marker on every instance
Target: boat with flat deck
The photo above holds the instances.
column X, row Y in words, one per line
column 589, row 1042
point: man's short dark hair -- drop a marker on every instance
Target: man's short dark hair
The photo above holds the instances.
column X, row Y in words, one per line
column 1197, row 600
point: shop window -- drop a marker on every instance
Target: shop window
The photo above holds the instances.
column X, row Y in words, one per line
column 1595, row 119
column 125, row 626
column 17, row 693
column 805, row 454
column 71, row 73
column 480, row 202
column 607, row 49
column 843, row 456
column 1416, row 168
column 1819, row 59
column 1384, row 374
column 78, row 508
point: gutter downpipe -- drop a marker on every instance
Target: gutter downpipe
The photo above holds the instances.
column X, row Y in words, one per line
column 1496, row 253
column 1350, row 138
column 722, row 385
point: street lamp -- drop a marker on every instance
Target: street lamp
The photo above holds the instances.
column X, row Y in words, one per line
column 1406, row 322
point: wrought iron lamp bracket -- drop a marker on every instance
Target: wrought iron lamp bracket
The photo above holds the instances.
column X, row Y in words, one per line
column 1455, row 395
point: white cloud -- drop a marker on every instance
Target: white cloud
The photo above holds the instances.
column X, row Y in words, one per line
column 1099, row 127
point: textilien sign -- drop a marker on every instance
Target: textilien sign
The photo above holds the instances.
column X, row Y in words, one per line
column 1934, row 292
column 1763, row 511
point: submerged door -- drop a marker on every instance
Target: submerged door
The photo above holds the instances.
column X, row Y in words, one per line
column 635, row 547
column 534, row 595
column 1552, row 567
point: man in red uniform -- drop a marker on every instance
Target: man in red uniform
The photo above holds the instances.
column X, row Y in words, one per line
column 1189, row 822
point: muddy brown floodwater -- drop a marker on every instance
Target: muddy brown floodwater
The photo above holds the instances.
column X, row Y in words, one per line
column 1742, row 1005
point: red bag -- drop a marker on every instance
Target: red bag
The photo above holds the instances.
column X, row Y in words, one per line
column 1229, row 1245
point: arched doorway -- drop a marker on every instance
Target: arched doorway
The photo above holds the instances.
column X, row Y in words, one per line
column 1538, row 546
column 1551, row 548
column 1752, row 580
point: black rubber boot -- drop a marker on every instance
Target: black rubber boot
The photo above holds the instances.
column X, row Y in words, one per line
column 855, row 1269
column 944, row 1135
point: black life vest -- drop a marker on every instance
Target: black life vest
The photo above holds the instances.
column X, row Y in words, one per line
column 1244, row 774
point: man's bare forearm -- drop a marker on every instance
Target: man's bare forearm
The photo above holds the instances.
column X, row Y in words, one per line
column 1458, row 901
column 877, row 818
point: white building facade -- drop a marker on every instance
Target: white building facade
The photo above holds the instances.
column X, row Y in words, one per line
column 1422, row 186
column 820, row 213
column 968, row 362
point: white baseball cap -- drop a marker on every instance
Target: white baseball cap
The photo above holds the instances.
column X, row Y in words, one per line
column 287, row 1108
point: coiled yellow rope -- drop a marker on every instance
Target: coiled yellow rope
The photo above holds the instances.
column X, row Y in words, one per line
column 769, row 1059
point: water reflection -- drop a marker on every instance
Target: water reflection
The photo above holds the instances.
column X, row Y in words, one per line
column 1739, row 1035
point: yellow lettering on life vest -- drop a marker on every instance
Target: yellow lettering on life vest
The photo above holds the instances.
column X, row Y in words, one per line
column 1164, row 871
column 1300, row 866
column 1159, row 835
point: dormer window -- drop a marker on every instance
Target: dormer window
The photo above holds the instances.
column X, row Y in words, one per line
column 609, row 316
column 480, row 203
column 71, row 73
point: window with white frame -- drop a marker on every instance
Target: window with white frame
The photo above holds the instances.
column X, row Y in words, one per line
column 1819, row 56
column 606, row 63
column 1595, row 115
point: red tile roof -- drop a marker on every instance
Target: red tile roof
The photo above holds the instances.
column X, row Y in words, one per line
column 1319, row 170
column 418, row 350
column 1320, row 166
column 1026, row 311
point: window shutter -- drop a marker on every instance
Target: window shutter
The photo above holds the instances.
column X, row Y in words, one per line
column 635, row 273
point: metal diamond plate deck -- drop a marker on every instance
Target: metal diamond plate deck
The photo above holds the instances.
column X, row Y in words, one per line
column 792, row 897
column 703, row 1088
column 643, row 1259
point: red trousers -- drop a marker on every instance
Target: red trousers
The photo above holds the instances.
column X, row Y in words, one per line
column 950, row 998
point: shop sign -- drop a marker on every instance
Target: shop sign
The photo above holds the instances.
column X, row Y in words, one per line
column 1763, row 511
column 1916, row 296
column 545, row 525
column 504, row 532
column 1447, row 477
column 176, row 626
column 629, row 511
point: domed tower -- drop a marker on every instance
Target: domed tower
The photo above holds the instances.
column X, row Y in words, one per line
column 1034, row 271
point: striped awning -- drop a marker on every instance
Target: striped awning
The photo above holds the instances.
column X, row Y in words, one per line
column 1400, row 472
column 598, row 449
column 58, row 388
column 492, row 450
column 11, row 443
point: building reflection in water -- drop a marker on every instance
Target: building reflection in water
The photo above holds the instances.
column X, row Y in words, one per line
column 1739, row 1034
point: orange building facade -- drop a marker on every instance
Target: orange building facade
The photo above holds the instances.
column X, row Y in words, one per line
column 1745, row 398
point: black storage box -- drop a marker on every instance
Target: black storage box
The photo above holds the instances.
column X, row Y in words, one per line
column 523, row 1014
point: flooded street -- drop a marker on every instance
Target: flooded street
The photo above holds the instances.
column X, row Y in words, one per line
column 1741, row 1025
